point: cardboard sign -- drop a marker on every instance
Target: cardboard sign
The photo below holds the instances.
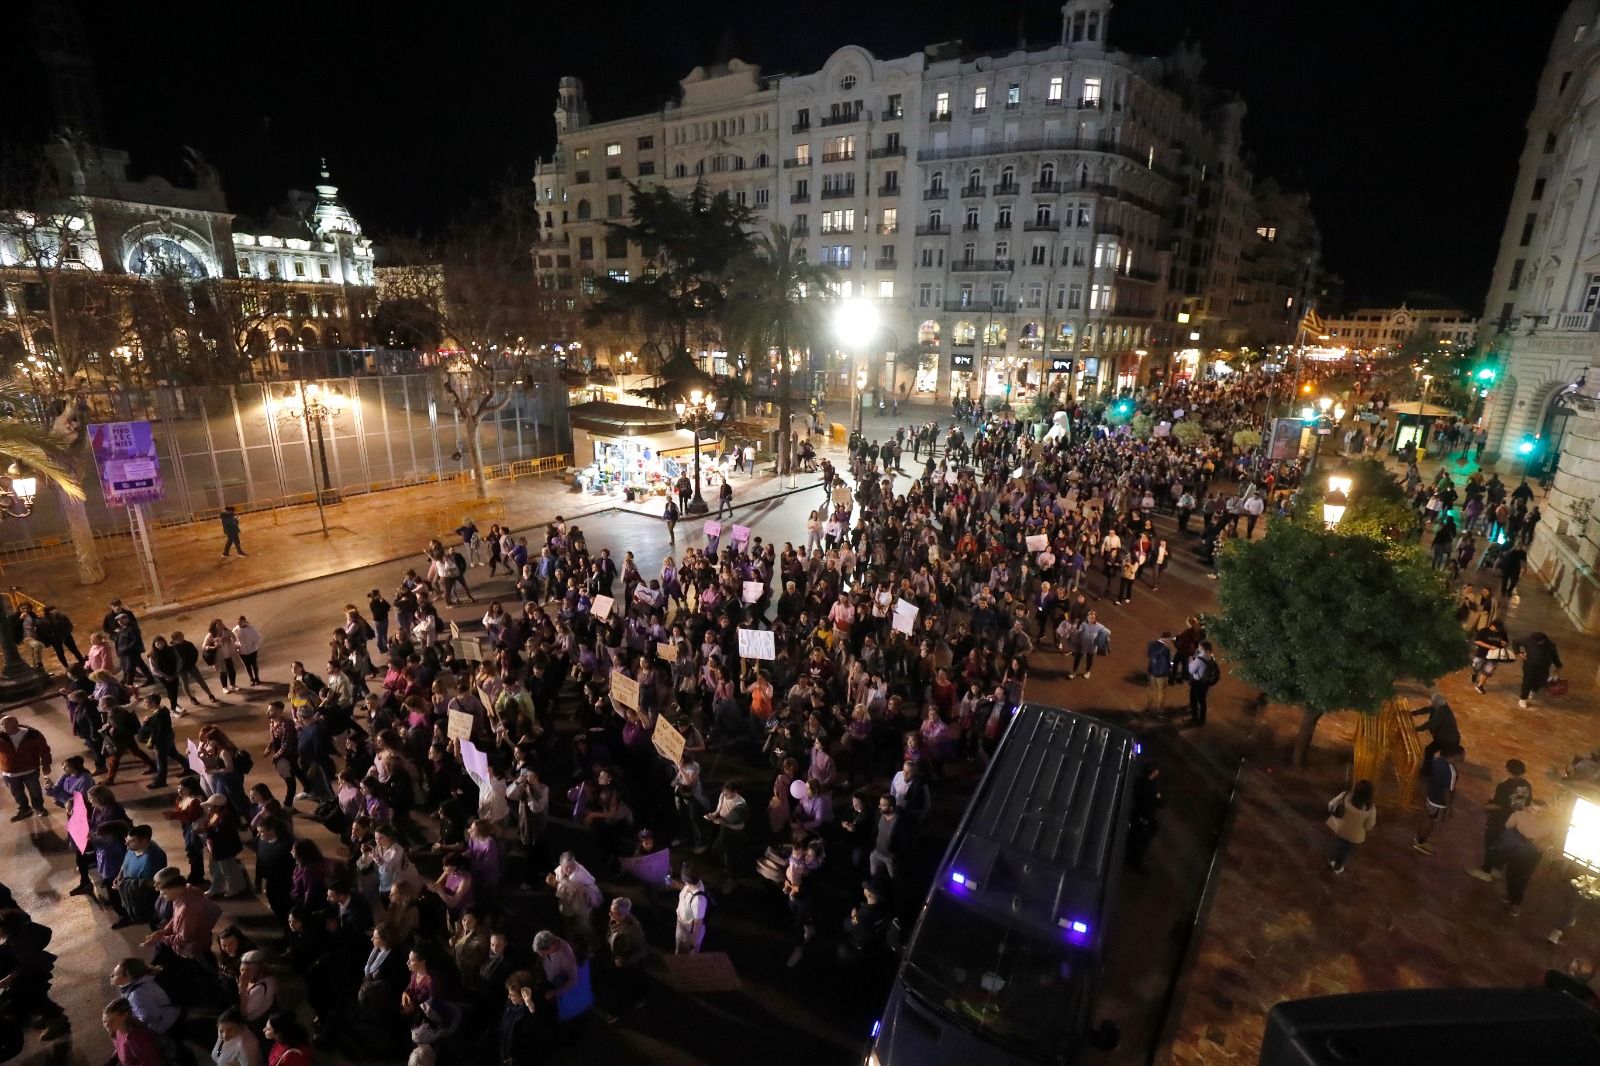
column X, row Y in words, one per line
column 669, row 652
column 653, row 869
column 78, row 823
column 713, row 530
column 601, row 607
column 625, row 690
column 1038, row 542
column 467, row 649
column 475, row 762
column 757, row 644
column 197, row 765
column 905, row 617
column 841, row 495
column 455, row 631
column 667, row 740
column 753, row 590
column 741, row 535
column 459, row 726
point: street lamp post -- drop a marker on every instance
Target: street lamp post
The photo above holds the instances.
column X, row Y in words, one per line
column 856, row 324
column 700, row 411
column 18, row 680
column 1337, row 500
column 311, row 405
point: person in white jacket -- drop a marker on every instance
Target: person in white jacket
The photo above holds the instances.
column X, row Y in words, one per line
column 249, row 641
column 236, row 1045
column 575, row 887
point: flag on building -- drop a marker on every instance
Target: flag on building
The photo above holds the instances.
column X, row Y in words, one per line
column 1312, row 323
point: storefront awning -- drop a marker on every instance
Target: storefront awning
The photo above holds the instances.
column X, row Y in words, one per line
column 621, row 419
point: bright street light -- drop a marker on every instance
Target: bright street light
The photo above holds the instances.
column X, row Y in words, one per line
column 855, row 323
column 1337, row 500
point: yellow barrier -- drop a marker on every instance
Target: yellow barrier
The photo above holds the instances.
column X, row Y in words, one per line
column 16, row 598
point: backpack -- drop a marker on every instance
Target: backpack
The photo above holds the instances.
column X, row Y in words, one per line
column 243, row 761
column 1212, row 673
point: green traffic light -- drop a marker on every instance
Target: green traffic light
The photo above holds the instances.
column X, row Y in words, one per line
column 1486, row 374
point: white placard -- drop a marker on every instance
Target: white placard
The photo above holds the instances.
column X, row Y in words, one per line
column 460, row 726
column 757, row 644
column 753, row 590
column 669, row 652
column 625, row 690
column 905, row 617
column 1038, row 542
column 841, row 495
column 601, row 607
column 667, row 740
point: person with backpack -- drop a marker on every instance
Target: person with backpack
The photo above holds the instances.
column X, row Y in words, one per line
column 1158, row 666
column 1204, row 673
column 690, row 915
column 1351, row 816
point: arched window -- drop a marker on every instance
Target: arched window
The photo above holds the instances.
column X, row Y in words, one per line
column 928, row 334
column 763, row 160
column 680, row 171
column 738, row 162
column 935, row 219
column 1008, row 176
column 308, row 337
column 994, row 335
column 936, row 183
column 583, row 209
column 1029, row 339
column 1064, row 336
column 974, row 178
column 700, row 167
column 964, row 335
column 1047, row 173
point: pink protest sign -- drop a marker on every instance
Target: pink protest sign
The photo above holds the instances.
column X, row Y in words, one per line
column 78, row 823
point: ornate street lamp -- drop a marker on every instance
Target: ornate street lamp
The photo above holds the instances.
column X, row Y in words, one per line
column 699, row 412
column 311, row 404
column 1337, row 500
column 855, row 323
column 18, row 680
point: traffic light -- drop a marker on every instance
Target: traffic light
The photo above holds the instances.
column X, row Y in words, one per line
column 1527, row 445
column 1123, row 408
column 1486, row 375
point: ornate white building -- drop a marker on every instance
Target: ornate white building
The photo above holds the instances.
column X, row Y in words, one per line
column 1071, row 214
column 1390, row 327
column 1542, row 316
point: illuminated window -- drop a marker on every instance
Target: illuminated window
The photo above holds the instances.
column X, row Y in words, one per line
column 941, row 104
column 580, row 155
column 885, row 290
column 1091, row 90
column 614, row 148
column 980, row 98
column 1055, row 89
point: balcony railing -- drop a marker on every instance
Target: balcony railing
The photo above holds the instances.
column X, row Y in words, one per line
column 972, row 190
column 1009, row 188
column 800, row 198
column 888, row 190
column 800, row 231
column 798, row 161
column 938, row 116
column 886, row 151
column 1060, row 142
column 983, row 266
column 800, row 127
column 838, row 157
column 839, row 192
column 935, row 194
column 978, row 109
column 940, row 230
column 970, row 227
column 996, row 306
column 885, row 264
column 889, row 114
column 1033, row 225
column 888, row 229
column 1576, row 321
column 1047, row 187
column 1089, row 105
column 841, row 118
column 1002, row 224
column 829, row 231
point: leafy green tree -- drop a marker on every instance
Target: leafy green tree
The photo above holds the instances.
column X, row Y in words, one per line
column 1245, row 440
column 1332, row 620
column 691, row 246
column 1188, row 433
column 777, row 307
column 1142, row 425
column 1377, row 505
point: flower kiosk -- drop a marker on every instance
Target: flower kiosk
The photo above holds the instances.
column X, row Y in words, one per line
column 631, row 453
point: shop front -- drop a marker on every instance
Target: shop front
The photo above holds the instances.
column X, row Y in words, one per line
column 632, row 453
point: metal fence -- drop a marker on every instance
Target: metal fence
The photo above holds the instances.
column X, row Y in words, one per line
column 245, row 445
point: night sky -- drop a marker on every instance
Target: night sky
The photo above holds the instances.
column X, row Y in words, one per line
column 1403, row 118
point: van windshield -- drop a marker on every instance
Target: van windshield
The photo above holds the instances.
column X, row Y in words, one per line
column 1014, row 987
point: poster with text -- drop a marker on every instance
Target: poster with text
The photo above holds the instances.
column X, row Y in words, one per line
column 757, row 644
column 1038, row 542
column 125, row 456
column 753, row 590
column 740, row 535
column 601, row 607
column 625, row 690
column 460, row 726
column 669, row 652
column 713, row 530
column 905, row 617
column 667, row 740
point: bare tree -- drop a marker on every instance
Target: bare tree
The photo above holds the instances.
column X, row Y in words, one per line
column 472, row 294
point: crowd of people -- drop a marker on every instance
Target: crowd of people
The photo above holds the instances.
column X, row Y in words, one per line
column 512, row 813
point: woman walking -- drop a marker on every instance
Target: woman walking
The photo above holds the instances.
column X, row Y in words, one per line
column 1351, row 816
column 221, row 649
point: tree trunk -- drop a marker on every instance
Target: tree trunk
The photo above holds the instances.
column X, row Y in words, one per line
column 785, row 410
column 90, row 571
column 1308, row 729
column 475, row 453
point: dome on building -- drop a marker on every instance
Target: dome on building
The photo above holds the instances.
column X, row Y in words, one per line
column 330, row 215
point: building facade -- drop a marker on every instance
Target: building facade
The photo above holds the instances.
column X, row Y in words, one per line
column 1542, row 316
column 1390, row 327
column 300, row 279
column 1065, row 217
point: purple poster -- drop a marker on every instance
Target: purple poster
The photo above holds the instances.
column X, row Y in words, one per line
column 125, row 455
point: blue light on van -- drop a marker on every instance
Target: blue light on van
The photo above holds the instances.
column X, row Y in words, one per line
column 1077, row 931
column 959, row 878
column 876, row 1027
column 1138, row 749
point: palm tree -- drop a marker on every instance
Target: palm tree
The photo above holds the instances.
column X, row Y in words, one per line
column 777, row 303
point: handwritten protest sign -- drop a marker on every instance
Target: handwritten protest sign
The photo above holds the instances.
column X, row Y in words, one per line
column 601, row 607
column 757, row 644
column 741, row 535
column 1038, row 542
column 196, row 764
column 625, row 690
column 905, row 617
column 669, row 652
column 753, row 591
column 460, row 726
column 713, row 530
column 667, row 740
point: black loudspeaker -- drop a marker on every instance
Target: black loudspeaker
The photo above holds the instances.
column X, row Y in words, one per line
column 1445, row 1026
